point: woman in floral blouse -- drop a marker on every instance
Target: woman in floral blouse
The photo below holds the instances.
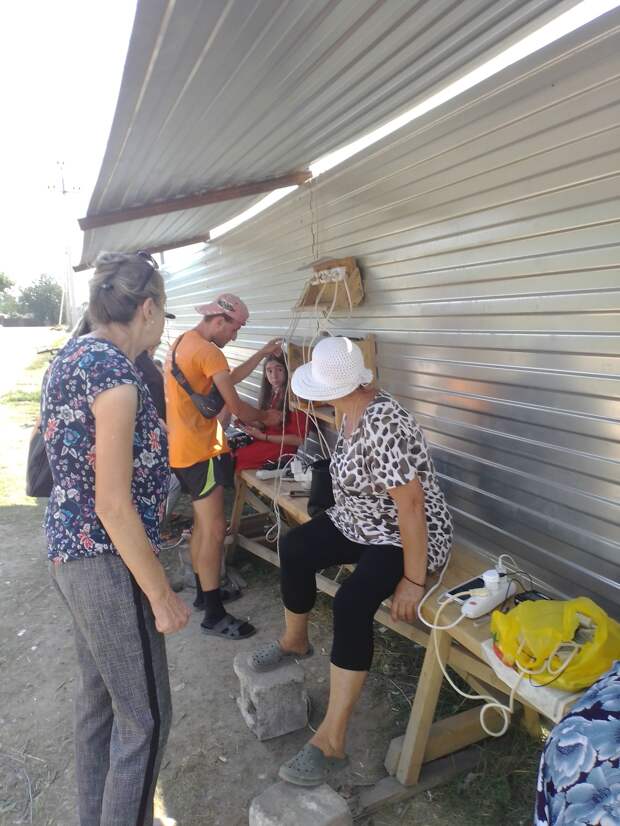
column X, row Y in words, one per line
column 107, row 451
column 579, row 775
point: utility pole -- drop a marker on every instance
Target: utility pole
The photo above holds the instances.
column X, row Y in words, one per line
column 67, row 287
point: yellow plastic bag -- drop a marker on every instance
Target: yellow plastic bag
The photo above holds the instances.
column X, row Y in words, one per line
column 569, row 643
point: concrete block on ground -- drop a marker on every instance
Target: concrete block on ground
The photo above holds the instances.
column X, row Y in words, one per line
column 284, row 804
column 272, row 703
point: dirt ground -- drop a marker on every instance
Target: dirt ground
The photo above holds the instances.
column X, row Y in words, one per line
column 213, row 766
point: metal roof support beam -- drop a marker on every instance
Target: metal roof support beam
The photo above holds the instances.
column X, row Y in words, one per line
column 210, row 196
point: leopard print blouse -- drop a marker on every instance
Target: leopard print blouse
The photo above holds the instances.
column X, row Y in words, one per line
column 387, row 449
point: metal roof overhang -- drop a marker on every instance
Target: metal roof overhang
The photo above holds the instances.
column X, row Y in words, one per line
column 226, row 94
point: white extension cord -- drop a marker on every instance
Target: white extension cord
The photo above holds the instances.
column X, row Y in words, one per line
column 505, row 710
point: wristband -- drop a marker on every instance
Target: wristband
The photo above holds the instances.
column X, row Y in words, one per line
column 413, row 582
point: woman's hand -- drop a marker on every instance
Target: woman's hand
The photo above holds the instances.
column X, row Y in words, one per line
column 170, row 612
column 255, row 432
column 405, row 601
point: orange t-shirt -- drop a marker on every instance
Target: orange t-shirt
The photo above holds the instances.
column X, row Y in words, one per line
column 193, row 438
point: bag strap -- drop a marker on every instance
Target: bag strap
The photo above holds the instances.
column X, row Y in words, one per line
column 178, row 373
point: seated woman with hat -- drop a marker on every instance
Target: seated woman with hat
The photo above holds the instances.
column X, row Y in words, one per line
column 390, row 518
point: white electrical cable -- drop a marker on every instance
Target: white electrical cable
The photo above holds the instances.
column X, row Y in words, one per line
column 321, row 326
column 505, row 710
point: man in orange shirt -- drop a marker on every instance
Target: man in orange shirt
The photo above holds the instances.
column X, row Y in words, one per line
column 199, row 453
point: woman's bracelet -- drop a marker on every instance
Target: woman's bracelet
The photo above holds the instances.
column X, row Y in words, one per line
column 413, row 582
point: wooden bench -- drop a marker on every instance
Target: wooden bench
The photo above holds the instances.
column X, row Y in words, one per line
column 426, row 754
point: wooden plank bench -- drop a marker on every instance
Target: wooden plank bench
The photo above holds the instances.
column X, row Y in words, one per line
column 425, row 754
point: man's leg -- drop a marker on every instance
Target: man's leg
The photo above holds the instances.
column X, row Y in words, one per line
column 208, row 534
column 210, row 527
column 194, row 550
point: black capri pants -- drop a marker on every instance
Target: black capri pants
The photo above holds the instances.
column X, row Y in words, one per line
column 319, row 544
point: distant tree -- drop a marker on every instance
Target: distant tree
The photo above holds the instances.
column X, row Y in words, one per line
column 42, row 299
column 8, row 303
column 5, row 283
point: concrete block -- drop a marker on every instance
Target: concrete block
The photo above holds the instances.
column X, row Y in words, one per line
column 272, row 703
column 284, row 804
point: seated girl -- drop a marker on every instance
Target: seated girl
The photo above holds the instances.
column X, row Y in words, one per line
column 390, row 518
column 272, row 442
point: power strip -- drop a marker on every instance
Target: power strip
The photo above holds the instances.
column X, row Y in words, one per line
column 483, row 600
column 329, row 275
column 271, row 474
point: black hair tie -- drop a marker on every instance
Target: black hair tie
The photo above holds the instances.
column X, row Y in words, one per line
column 106, row 286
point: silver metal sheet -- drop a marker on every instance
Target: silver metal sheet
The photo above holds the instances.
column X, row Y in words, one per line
column 228, row 91
column 488, row 236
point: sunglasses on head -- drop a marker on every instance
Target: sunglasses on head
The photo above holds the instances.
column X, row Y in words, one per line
column 154, row 266
column 146, row 256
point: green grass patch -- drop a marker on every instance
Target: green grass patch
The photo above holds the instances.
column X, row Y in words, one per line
column 19, row 409
column 502, row 788
column 21, row 396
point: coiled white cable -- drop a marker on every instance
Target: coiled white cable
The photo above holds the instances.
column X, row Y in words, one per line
column 506, row 710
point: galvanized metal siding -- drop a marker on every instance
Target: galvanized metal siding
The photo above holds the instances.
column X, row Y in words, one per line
column 489, row 237
column 230, row 91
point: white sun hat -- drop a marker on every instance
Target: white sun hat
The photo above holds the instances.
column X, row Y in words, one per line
column 335, row 370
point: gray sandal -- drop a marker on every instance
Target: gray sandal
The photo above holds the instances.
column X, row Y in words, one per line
column 310, row 767
column 271, row 655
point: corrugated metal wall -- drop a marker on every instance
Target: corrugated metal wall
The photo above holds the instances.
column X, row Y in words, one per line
column 489, row 237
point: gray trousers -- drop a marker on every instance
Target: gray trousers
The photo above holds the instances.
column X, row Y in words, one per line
column 122, row 709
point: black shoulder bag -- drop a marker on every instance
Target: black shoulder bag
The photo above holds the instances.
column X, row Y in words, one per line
column 321, row 491
column 208, row 405
column 38, row 474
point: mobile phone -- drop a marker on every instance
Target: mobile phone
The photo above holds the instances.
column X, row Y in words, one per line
column 529, row 595
column 465, row 588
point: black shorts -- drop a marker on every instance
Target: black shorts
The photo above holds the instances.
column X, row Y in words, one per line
column 201, row 479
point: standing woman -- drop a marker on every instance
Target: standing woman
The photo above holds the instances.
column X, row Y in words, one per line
column 277, row 440
column 108, row 456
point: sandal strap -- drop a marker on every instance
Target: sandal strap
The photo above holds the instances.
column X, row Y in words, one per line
column 228, row 625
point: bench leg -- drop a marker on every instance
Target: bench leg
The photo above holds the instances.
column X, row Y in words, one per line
column 531, row 722
column 423, row 710
column 235, row 519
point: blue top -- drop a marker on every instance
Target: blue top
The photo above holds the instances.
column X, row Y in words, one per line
column 579, row 774
column 84, row 368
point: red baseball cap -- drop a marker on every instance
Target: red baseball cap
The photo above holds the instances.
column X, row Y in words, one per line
column 226, row 303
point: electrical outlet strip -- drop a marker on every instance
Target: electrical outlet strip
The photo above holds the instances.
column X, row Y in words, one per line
column 496, row 589
column 329, row 275
column 271, row 474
